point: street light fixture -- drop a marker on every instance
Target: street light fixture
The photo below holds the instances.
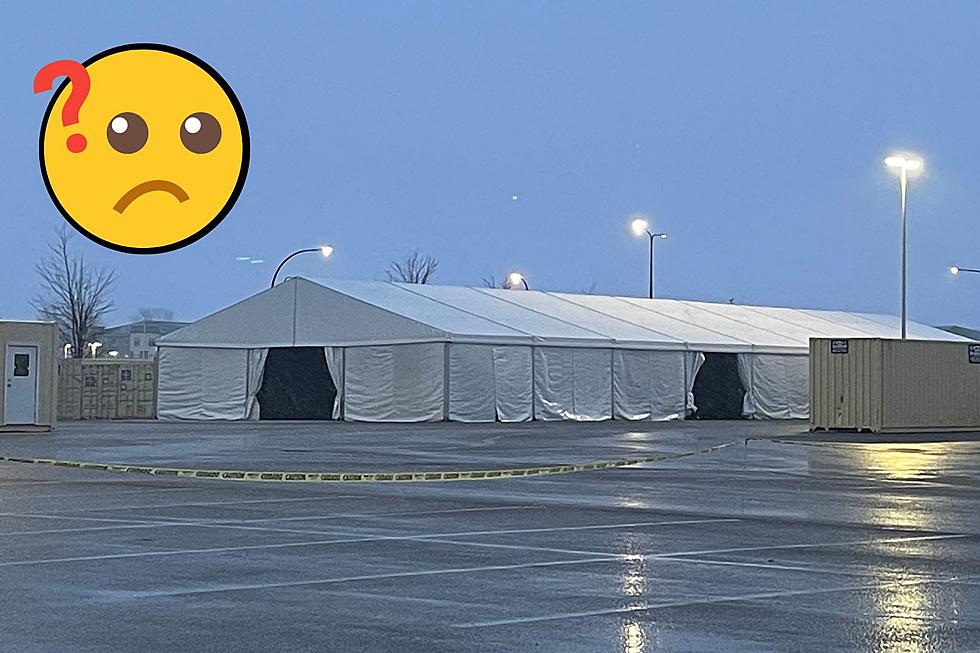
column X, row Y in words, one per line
column 325, row 251
column 954, row 270
column 67, row 348
column 516, row 279
column 902, row 165
column 641, row 226
column 93, row 346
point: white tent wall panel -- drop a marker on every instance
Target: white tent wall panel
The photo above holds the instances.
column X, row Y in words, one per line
column 513, row 383
column 395, row 383
column 198, row 383
column 776, row 386
column 472, row 394
column 648, row 385
column 572, row 383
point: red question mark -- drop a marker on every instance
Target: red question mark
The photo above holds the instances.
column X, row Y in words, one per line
column 80, row 85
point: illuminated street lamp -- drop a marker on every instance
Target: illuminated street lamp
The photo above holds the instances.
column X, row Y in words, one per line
column 325, row 251
column 67, row 348
column 954, row 270
column 515, row 279
column 640, row 226
column 902, row 165
column 93, row 347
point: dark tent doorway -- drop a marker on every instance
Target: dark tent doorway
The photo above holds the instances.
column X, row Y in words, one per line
column 718, row 390
column 296, row 385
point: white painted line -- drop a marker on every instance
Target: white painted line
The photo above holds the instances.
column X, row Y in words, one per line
column 352, row 540
column 590, row 527
column 207, row 504
column 76, row 495
column 125, row 524
column 28, row 515
column 362, row 515
column 366, row 577
column 646, row 607
column 814, row 545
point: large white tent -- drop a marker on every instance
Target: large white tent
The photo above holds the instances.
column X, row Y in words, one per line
column 406, row 353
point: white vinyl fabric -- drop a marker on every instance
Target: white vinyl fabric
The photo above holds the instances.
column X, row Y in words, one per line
column 572, row 383
column 693, row 360
column 203, row 384
column 341, row 313
column 777, row 387
column 648, row 385
column 256, row 370
column 472, row 394
column 513, row 383
column 489, row 384
column 401, row 352
column 335, row 365
column 394, row 383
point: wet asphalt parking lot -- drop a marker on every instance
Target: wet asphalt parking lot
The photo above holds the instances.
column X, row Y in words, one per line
column 864, row 544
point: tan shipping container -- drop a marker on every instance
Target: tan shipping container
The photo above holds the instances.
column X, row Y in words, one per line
column 876, row 384
column 107, row 388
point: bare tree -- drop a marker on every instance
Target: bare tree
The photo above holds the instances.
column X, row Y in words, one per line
column 74, row 294
column 490, row 281
column 152, row 313
column 413, row 268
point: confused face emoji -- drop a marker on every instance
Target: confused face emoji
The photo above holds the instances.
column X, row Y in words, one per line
column 144, row 148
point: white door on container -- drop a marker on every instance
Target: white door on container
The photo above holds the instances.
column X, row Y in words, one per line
column 20, row 396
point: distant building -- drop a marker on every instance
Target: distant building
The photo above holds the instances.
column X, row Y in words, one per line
column 136, row 339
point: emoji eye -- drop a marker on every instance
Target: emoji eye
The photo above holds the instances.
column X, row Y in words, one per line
column 127, row 133
column 200, row 133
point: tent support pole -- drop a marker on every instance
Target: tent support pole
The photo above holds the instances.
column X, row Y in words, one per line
column 445, row 382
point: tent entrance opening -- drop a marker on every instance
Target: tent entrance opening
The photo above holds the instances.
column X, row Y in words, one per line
column 296, row 384
column 718, row 390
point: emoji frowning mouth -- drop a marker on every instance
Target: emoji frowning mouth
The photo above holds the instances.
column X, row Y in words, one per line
column 148, row 187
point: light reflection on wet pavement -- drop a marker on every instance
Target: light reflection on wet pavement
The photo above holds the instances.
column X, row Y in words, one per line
column 765, row 546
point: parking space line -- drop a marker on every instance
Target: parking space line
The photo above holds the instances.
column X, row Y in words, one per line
column 30, row 515
column 346, row 540
column 369, row 577
column 814, row 545
column 354, row 515
column 76, row 495
column 646, row 607
column 207, row 504
column 230, row 524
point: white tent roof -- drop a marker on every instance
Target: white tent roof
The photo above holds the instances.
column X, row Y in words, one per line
column 300, row 312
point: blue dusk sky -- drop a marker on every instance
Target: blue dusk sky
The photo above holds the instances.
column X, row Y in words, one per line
column 523, row 135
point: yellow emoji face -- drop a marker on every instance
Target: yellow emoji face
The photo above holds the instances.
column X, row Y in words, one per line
column 164, row 154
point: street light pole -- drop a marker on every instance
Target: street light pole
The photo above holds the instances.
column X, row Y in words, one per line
column 640, row 226
column 903, row 184
column 955, row 269
column 904, row 165
column 325, row 250
column 650, row 293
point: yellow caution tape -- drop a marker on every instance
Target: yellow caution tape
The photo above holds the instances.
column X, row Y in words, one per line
column 358, row 477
